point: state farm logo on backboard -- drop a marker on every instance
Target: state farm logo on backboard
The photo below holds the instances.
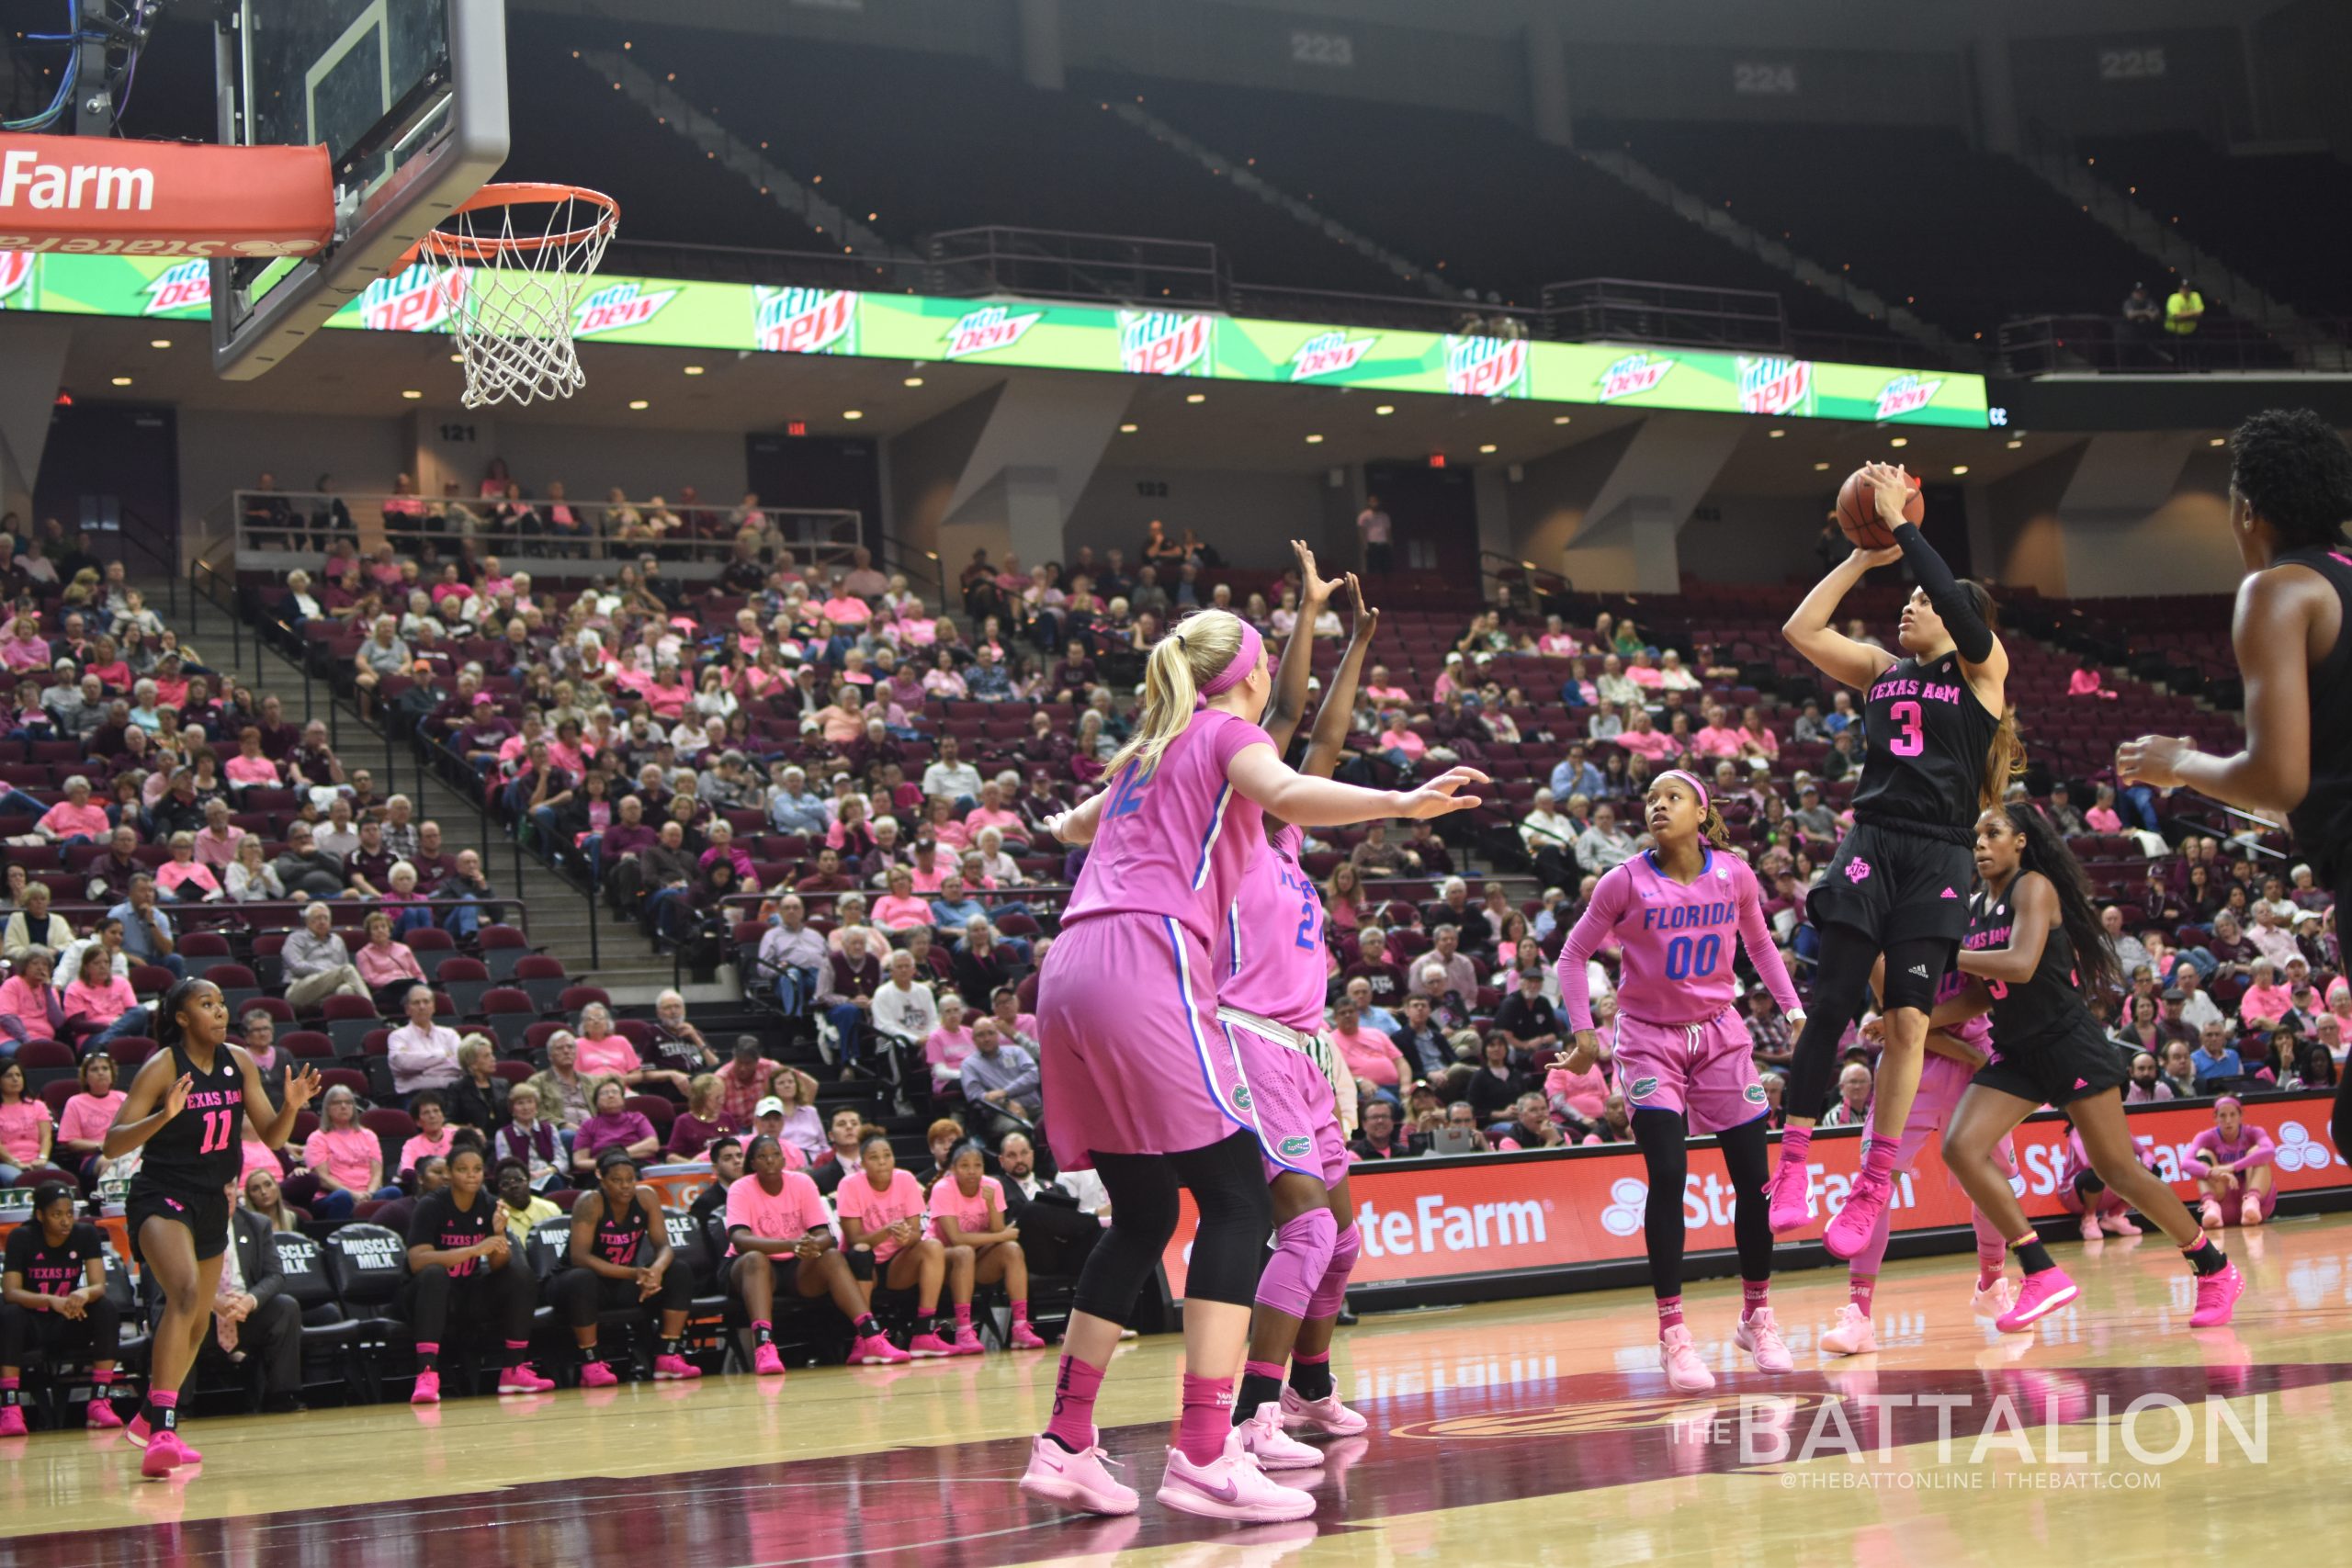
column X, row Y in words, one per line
column 1906, row 394
column 415, row 299
column 1163, row 343
column 182, row 286
column 987, row 330
column 1775, row 385
column 611, row 308
column 1634, row 374
column 1328, row 354
column 16, row 273
column 804, row 320
column 1487, row 367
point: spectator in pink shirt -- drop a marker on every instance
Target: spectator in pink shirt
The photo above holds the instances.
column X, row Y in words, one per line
column 606, row 1052
column 185, row 879
column 388, row 967
column 100, row 1004
column 28, row 1005
column 950, row 1045
column 1643, row 739
column 435, row 1132
column 82, row 1131
column 899, row 910
column 77, row 819
column 1378, row 1066
column 216, row 841
column 1717, row 739
column 990, row 813
column 249, row 769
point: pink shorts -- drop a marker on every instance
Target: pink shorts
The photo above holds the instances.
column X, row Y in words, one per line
column 1941, row 1083
column 1704, row 1073
column 1297, row 1116
column 1134, row 1060
column 2232, row 1198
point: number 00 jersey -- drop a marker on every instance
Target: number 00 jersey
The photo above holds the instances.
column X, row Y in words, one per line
column 1681, row 942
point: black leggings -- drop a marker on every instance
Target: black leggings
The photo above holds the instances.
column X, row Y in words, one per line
column 1664, row 1139
column 580, row 1295
column 505, row 1293
column 1228, row 1181
column 98, row 1334
column 1841, row 989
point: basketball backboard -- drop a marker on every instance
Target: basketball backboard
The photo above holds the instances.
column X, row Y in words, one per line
column 409, row 98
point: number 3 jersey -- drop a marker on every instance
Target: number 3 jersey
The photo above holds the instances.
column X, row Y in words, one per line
column 1923, row 739
column 1270, row 956
column 1681, row 942
column 201, row 1149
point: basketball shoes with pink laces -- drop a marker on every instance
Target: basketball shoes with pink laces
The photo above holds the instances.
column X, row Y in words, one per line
column 767, row 1362
column 1790, row 1190
column 164, row 1454
column 1685, row 1373
column 1851, row 1335
column 12, row 1421
column 426, row 1392
column 1232, row 1487
column 1759, row 1334
column 929, row 1345
column 967, row 1341
column 1263, row 1438
column 1080, row 1480
column 2041, row 1296
column 138, row 1435
column 2117, row 1224
column 875, row 1350
column 101, row 1416
column 1326, row 1413
column 2217, row 1296
column 1851, row 1231
column 523, row 1378
column 1994, row 1299
column 674, row 1368
column 595, row 1374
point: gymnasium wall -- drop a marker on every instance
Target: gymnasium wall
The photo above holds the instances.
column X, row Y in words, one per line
column 1250, row 518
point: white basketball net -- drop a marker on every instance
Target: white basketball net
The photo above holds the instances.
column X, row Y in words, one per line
column 518, row 270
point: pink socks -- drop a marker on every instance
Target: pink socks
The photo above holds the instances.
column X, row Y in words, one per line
column 1075, row 1387
column 1752, row 1297
column 1669, row 1312
column 1208, row 1418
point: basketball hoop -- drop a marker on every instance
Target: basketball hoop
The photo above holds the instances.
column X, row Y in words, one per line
column 524, row 254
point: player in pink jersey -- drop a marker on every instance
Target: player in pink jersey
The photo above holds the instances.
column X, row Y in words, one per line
column 1127, row 1016
column 2085, row 1195
column 2237, row 1174
column 1684, row 1058
column 1953, row 1055
column 1270, row 979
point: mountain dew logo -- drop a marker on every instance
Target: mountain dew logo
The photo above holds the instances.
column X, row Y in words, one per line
column 1163, row 343
column 1487, row 367
column 1775, row 386
column 987, row 330
column 617, row 306
column 15, row 274
column 185, row 285
column 1328, row 354
column 414, row 300
column 1906, row 394
column 804, row 320
column 1634, row 374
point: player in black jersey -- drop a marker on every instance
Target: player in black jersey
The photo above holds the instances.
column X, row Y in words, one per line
column 185, row 1113
column 1937, row 747
column 2290, row 494
column 460, row 1254
column 609, row 1227
column 2034, row 950
column 53, row 1296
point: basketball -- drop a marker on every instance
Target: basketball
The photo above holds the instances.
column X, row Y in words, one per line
column 1858, row 511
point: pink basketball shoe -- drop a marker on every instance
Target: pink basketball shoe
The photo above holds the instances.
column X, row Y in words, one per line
column 1230, row 1487
column 595, row 1374
column 1759, row 1336
column 2217, row 1296
column 1851, row 1231
column 1079, row 1480
column 2041, row 1296
column 1263, row 1439
column 1790, row 1190
column 1300, row 1412
column 1685, row 1373
column 1851, row 1335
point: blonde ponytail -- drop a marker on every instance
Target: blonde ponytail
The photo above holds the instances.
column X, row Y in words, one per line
column 2004, row 760
column 1181, row 663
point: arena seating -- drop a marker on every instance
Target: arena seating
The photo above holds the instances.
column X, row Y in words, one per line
column 2252, row 211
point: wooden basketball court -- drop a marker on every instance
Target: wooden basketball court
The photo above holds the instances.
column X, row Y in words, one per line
column 1518, row 1432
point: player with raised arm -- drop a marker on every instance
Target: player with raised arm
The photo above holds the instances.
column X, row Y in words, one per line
column 186, row 1111
column 2290, row 494
column 1938, row 746
column 1685, row 1060
column 1272, row 974
column 1126, row 1015
column 2034, row 950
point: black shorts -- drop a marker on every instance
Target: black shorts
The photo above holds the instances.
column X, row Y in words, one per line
column 2073, row 1064
column 206, row 1215
column 1896, row 887
column 784, row 1273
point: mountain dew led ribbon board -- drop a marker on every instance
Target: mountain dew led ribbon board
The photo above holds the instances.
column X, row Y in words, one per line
column 1050, row 336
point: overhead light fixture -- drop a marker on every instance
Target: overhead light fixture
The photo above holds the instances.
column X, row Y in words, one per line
column 159, row 343
column 1385, row 410
column 1958, row 469
column 1821, row 468
column 1900, row 441
column 1196, row 396
column 639, row 403
column 913, row 381
column 1562, row 418
column 852, row 413
column 1487, row 447
column 694, row 370
column 1127, row 430
column 457, row 359
column 2219, row 441
column 122, row 380
column 1315, row 441
column 1777, row 434
column 412, row 394
column 2015, row 444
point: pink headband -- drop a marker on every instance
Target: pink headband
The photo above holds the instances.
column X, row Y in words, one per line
column 1691, row 779
column 1245, row 659
column 2229, row 1099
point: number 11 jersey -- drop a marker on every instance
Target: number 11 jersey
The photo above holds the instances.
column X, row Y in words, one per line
column 200, row 1150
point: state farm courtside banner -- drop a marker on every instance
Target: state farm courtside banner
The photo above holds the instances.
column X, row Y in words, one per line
column 1447, row 1220
column 93, row 198
column 1055, row 336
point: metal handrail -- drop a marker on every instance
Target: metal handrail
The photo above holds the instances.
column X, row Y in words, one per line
column 216, row 913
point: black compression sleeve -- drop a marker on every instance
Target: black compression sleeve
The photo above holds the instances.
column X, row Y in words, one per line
column 1970, row 634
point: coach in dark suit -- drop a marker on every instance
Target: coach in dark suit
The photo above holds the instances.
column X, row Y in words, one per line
column 266, row 1321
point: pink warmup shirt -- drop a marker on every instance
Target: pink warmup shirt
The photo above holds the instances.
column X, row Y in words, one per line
column 791, row 1212
column 2254, row 1147
column 948, row 1201
column 856, row 1197
column 1177, row 843
column 1270, row 956
column 1677, row 941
